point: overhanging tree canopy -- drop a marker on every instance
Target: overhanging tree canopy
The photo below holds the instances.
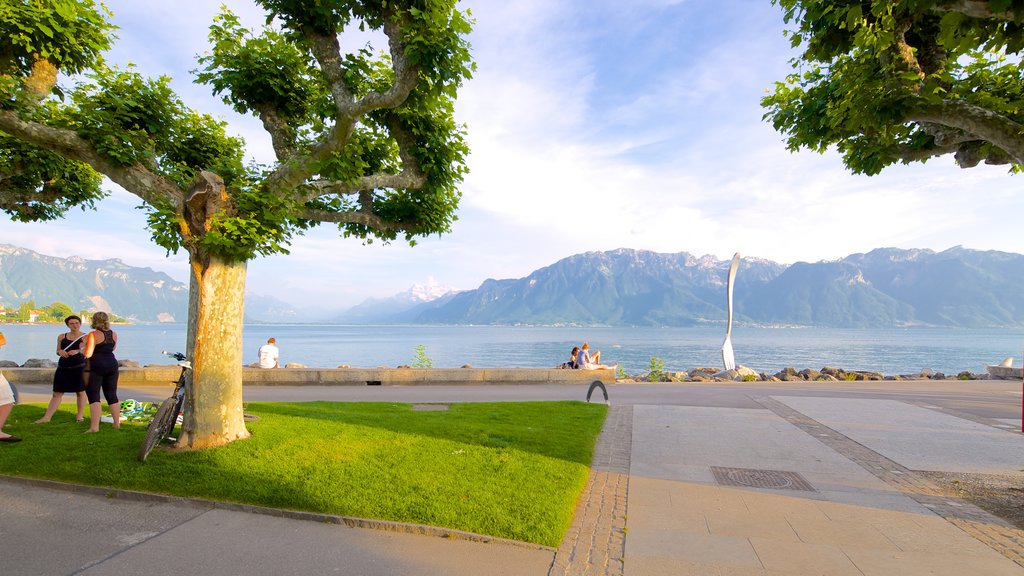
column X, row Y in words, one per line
column 364, row 140
column 905, row 80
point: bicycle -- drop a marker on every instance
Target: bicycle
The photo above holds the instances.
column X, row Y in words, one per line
column 162, row 424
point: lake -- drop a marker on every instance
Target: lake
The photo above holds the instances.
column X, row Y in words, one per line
column 890, row 351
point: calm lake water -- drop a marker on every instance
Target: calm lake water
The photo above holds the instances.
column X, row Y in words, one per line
column 890, row 351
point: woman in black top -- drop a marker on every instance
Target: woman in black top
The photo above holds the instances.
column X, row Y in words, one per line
column 101, row 371
column 68, row 376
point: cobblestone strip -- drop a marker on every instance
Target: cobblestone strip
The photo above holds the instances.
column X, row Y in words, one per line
column 991, row 530
column 595, row 542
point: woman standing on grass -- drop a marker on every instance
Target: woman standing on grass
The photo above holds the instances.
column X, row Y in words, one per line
column 101, row 371
column 68, row 376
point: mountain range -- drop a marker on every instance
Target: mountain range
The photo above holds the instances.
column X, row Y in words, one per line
column 140, row 294
column 886, row 287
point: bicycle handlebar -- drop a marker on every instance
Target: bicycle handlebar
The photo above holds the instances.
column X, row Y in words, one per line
column 176, row 355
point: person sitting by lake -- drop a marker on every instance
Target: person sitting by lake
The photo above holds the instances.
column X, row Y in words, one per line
column 572, row 359
column 68, row 375
column 269, row 354
column 587, row 361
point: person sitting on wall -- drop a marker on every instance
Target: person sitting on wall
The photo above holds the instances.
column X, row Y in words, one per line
column 269, row 354
column 572, row 364
column 587, row 361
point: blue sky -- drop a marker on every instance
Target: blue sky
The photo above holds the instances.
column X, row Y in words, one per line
column 594, row 125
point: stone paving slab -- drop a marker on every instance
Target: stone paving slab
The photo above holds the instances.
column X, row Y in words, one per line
column 916, row 437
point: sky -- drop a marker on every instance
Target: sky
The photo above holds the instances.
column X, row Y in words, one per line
column 594, row 125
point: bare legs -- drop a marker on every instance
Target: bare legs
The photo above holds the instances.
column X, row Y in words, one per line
column 55, row 401
column 80, row 399
column 5, row 410
column 96, row 411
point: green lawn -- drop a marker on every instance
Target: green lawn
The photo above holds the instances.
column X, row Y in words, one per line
column 511, row 470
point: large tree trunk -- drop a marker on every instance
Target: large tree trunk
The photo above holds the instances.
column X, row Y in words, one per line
column 213, row 399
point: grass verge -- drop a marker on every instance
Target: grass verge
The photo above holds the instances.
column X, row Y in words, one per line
column 509, row 469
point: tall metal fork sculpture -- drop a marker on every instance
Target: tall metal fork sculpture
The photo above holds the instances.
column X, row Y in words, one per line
column 727, row 354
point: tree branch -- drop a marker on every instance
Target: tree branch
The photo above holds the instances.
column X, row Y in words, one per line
column 404, row 179
column 328, row 55
column 907, row 154
column 291, row 174
column 973, row 8
column 406, row 74
column 136, row 179
column 282, row 136
column 979, row 122
column 354, row 217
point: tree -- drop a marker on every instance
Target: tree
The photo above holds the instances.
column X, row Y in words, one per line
column 58, row 311
column 25, row 310
column 362, row 140
column 902, row 81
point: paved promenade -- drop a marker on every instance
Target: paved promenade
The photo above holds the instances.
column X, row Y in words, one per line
column 708, row 479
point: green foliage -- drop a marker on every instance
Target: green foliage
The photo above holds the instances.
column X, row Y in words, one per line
column 42, row 185
column 123, row 114
column 463, row 468
column 421, row 360
column 55, row 312
column 252, row 72
column 69, row 34
column 304, row 95
column 656, row 370
column 902, row 81
column 58, row 311
column 620, row 372
column 749, row 378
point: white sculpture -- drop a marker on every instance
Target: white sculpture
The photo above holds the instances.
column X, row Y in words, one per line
column 727, row 355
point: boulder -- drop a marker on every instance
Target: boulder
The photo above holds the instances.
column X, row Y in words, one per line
column 295, row 365
column 726, row 376
column 788, row 375
column 866, row 375
column 809, row 374
column 39, row 363
column 8, row 364
column 127, row 364
column 703, row 372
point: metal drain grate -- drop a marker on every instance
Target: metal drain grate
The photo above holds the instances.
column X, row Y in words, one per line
column 754, row 478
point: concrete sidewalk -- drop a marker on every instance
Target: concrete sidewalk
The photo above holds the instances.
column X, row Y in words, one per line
column 813, row 486
column 796, row 484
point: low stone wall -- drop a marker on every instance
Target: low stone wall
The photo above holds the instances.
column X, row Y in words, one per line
column 157, row 375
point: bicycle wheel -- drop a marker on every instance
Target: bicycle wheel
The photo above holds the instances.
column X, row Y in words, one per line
column 161, row 425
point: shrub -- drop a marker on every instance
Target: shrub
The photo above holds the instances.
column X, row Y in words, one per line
column 421, row 360
column 656, row 371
